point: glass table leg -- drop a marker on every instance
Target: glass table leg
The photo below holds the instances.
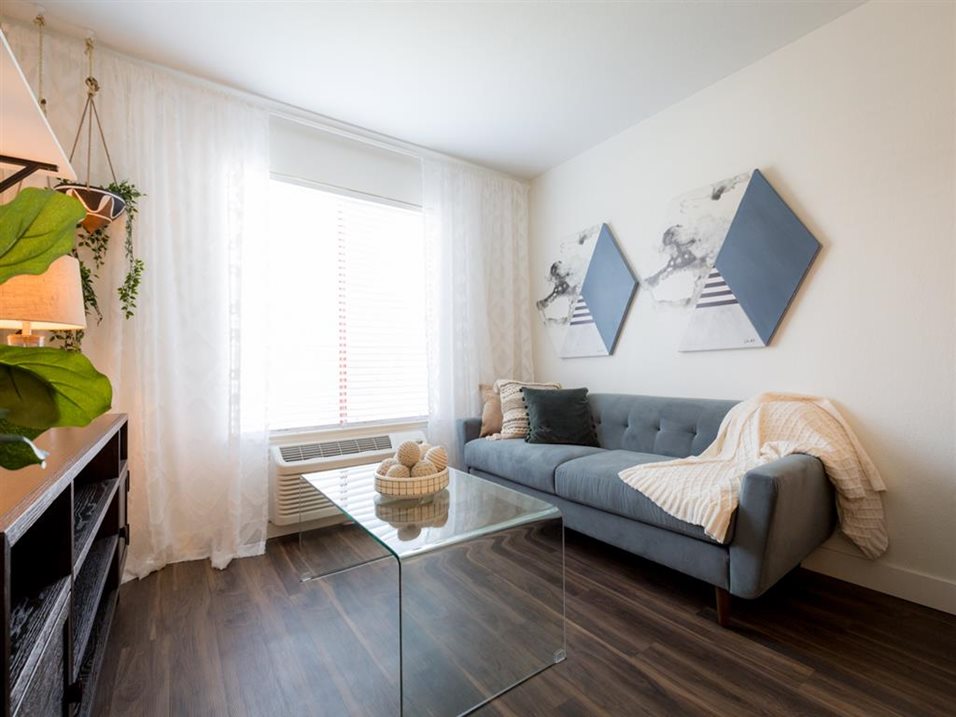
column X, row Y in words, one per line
column 480, row 616
column 325, row 550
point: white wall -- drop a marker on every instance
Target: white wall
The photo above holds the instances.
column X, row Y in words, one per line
column 854, row 126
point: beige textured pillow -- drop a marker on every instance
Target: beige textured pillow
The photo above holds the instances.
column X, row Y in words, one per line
column 490, row 410
column 514, row 423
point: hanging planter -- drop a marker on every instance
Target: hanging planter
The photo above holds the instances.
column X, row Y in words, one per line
column 102, row 206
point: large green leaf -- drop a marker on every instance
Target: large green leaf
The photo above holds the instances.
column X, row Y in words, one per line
column 36, row 228
column 16, row 447
column 27, row 398
column 80, row 392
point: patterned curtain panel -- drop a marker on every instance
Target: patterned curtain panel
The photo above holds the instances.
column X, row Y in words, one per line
column 479, row 308
column 192, row 386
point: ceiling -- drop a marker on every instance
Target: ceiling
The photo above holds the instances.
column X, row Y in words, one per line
column 517, row 86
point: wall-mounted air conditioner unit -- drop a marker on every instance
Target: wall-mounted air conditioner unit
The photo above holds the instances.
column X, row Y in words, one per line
column 293, row 500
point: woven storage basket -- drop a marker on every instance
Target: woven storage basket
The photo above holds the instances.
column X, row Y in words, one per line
column 411, row 487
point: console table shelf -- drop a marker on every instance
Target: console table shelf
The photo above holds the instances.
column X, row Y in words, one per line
column 89, row 509
column 63, row 536
column 87, row 591
column 96, row 651
column 31, row 618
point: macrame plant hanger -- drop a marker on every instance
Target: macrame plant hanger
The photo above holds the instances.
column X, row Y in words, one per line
column 102, row 206
column 40, row 23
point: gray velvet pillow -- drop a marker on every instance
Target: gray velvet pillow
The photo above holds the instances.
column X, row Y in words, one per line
column 559, row 416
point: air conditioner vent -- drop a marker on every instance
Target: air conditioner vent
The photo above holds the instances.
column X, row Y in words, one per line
column 294, row 500
column 332, row 449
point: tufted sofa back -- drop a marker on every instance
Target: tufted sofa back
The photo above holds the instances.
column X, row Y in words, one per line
column 676, row 427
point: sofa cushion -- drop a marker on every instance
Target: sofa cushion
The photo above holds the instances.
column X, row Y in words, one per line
column 593, row 480
column 530, row 464
column 560, row 416
column 491, row 417
column 514, row 415
column 676, row 427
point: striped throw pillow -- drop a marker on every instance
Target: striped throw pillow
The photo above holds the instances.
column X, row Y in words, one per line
column 514, row 414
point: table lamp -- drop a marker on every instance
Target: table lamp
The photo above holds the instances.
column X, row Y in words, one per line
column 52, row 301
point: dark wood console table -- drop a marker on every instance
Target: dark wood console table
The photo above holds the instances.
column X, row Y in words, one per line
column 64, row 535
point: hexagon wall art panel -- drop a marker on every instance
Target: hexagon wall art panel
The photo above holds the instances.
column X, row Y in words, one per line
column 763, row 259
column 592, row 286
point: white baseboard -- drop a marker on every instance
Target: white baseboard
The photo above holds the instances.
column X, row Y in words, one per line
column 929, row 590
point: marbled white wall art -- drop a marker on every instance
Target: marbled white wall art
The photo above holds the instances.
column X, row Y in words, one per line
column 676, row 267
column 591, row 288
column 757, row 272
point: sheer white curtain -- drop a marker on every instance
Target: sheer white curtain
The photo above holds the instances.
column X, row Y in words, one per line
column 476, row 229
column 198, row 450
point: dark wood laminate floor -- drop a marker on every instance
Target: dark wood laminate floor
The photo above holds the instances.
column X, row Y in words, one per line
column 642, row 640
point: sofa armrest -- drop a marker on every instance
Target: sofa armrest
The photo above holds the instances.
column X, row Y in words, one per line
column 468, row 430
column 786, row 510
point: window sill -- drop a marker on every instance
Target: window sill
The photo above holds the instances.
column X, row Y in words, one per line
column 357, row 430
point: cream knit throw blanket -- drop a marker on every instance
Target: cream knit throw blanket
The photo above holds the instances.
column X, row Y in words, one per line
column 703, row 490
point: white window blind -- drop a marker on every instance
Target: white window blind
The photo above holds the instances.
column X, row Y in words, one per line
column 347, row 296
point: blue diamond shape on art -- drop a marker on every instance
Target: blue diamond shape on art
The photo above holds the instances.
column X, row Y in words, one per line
column 608, row 288
column 765, row 256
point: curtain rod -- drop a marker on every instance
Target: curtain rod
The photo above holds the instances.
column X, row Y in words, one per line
column 277, row 108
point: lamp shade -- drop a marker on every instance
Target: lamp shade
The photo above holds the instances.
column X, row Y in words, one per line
column 25, row 133
column 52, row 301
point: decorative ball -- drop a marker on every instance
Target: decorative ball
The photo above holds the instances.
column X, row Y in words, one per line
column 408, row 453
column 438, row 457
column 398, row 471
column 423, row 468
column 409, row 532
column 385, row 465
column 423, row 448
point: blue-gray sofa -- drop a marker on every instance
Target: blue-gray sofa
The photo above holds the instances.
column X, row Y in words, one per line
column 786, row 507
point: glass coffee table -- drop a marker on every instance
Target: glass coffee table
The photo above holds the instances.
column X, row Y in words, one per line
column 480, row 585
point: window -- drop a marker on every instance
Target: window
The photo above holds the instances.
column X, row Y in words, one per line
column 347, row 326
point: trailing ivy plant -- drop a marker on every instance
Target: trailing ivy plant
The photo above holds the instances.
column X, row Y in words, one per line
column 129, row 289
column 41, row 387
column 96, row 244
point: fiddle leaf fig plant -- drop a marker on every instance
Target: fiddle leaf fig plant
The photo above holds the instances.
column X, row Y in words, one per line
column 28, row 400
column 41, row 387
column 17, row 448
column 75, row 392
column 36, row 228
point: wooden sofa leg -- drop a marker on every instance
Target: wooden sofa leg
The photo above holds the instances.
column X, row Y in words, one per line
column 723, row 607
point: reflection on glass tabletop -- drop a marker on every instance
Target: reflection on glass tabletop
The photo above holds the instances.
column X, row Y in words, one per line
column 468, row 507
